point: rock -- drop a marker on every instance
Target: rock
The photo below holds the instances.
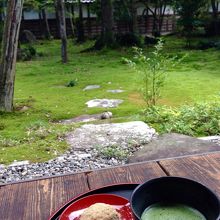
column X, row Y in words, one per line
column 27, row 37
column 106, row 115
column 123, row 134
column 115, row 91
column 82, row 118
column 104, row 103
column 172, row 145
column 24, row 109
column 19, row 163
column 91, row 87
column 210, row 138
column 84, row 156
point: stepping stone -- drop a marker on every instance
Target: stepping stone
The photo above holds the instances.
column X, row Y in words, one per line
column 173, row 145
column 104, row 103
column 87, row 118
column 91, row 87
column 82, row 118
column 123, row 135
column 115, row 91
column 19, row 163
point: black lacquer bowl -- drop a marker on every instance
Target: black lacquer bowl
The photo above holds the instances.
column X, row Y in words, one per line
column 175, row 190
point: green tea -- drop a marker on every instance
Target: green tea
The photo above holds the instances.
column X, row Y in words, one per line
column 171, row 212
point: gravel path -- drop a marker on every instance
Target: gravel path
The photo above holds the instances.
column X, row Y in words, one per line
column 70, row 162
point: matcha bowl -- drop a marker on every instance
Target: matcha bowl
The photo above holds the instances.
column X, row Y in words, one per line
column 173, row 198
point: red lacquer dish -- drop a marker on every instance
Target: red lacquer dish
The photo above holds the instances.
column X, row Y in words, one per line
column 122, row 206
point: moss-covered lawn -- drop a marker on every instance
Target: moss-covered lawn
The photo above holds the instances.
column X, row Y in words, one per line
column 41, row 85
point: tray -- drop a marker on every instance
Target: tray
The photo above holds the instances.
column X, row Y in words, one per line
column 124, row 190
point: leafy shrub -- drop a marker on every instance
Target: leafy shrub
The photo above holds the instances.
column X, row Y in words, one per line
column 129, row 40
column 196, row 120
column 72, row 83
column 27, row 53
column 206, row 44
column 150, row 40
column 2, row 126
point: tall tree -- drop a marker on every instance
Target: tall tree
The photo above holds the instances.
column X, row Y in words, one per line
column 107, row 23
column 60, row 9
column 215, row 15
column 189, row 12
column 89, row 19
column 157, row 9
column 9, row 54
column 47, row 32
column 134, row 17
column 80, row 24
column 69, row 7
column 41, row 6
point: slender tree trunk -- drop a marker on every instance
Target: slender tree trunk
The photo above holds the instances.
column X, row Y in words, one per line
column 88, row 19
column 9, row 53
column 134, row 18
column 107, row 22
column 80, row 26
column 161, row 17
column 215, row 16
column 62, row 27
column 71, row 21
column 40, row 22
column 46, row 24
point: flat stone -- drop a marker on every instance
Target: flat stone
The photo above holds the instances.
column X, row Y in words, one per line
column 82, row 118
column 19, row 163
column 210, row 138
column 91, row 87
column 24, row 108
column 173, row 145
column 115, row 91
column 104, row 103
column 90, row 136
column 84, row 156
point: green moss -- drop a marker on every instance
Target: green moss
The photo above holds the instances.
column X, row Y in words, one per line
column 41, row 85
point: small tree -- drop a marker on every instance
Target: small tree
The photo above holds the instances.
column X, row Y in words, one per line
column 153, row 69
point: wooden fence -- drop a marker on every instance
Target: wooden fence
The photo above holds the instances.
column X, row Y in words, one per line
column 145, row 26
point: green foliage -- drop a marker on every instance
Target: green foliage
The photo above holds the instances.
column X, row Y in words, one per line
column 2, row 126
column 112, row 151
column 72, row 83
column 129, row 39
column 40, row 86
column 150, row 40
column 201, row 119
column 154, row 70
column 207, row 43
column 26, row 53
column 189, row 12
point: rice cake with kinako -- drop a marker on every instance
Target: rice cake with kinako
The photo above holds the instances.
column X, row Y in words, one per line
column 100, row 211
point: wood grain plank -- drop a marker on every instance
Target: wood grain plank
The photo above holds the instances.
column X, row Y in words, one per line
column 135, row 173
column 38, row 199
column 203, row 168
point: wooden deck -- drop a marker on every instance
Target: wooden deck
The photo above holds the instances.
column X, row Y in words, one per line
column 36, row 200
